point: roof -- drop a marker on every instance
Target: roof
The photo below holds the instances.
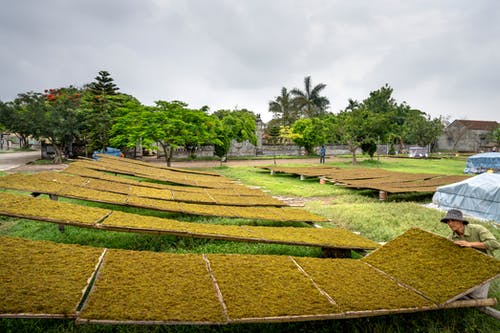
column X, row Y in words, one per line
column 477, row 124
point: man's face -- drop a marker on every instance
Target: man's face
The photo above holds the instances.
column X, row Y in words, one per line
column 456, row 226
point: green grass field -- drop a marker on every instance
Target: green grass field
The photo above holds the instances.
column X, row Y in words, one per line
column 356, row 210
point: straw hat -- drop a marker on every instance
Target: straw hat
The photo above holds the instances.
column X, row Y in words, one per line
column 455, row 215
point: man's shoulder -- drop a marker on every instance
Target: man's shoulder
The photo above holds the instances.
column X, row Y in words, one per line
column 475, row 227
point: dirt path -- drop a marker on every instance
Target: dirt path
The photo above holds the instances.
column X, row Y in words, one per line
column 30, row 167
column 212, row 164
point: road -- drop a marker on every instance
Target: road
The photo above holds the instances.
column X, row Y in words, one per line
column 13, row 160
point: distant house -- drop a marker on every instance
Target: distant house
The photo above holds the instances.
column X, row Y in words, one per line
column 468, row 136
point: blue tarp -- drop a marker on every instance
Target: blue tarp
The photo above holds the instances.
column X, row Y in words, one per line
column 482, row 162
column 108, row 151
column 477, row 196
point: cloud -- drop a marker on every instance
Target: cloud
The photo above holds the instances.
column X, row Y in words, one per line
column 441, row 57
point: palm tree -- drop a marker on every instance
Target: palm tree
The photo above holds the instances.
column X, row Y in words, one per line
column 283, row 108
column 309, row 101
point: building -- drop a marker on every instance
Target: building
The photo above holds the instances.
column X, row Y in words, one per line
column 469, row 136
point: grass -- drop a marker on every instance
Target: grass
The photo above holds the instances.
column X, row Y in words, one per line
column 356, row 210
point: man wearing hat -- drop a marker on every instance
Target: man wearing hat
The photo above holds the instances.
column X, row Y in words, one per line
column 471, row 235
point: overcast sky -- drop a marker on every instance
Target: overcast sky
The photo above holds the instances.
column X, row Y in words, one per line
column 442, row 57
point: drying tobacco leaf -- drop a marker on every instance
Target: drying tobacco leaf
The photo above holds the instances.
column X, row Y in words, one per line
column 356, row 286
column 49, row 210
column 266, row 286
column 149, row 286
column 433, row 264
column 43, row 278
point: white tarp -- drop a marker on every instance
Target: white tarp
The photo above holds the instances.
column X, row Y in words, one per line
column 482, row 162
column 417, row 152
column 478, row 196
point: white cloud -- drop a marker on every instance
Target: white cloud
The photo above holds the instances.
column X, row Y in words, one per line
column 441, row 57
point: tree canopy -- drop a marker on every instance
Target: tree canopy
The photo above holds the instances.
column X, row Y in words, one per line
column 99, row 102
column 23, row 115
column 99, row 116
column 238, row 125
column 284, row 109
column 309, row 133
column 61, row 121
column 309, row 101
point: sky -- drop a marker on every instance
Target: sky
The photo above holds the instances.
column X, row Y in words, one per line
column 441, row 57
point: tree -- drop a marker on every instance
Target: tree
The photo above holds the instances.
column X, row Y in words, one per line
column 419, row 128
column 357, row 125
column 173, row 125
column 128, row 129
column 283, row 108
column 391, row 114
column 309, row 102
column 61, row 120
column 201, row 129
column 287, row 133
column 455, row 132
column 274, row 137
column 496, row 136
column 369, row 147
column 238, row 125
column 274, row 134
column 309, row 133
column 23, row 116
column 224, row 142
column 103, row 85
column 100, row 102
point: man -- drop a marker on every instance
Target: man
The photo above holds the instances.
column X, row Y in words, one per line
column 471, row 235
column 322, row 154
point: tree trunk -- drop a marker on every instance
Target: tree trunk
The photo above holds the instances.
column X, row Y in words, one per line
column 352, row 149
column 354, row 161
column 58, row 155
column 170, row 155
column 166, row 152
column 23, row 141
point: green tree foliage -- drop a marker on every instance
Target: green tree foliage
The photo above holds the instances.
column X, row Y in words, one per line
column 128, row 129
column 23, row 116
column 274, row 135
column 287, row 134
column 202, row 130
column 103, row 85
column 222, row 148
column 99, row 104
column 283, row 108
column 309, row 133
column 61, row 121
column 419, row 128
column 496, row 135
column 309, row 101
column 379, row 118
column 369, row 147
column 173, row 125
column 239, row 125
column 357, row 125
column 390, row 116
